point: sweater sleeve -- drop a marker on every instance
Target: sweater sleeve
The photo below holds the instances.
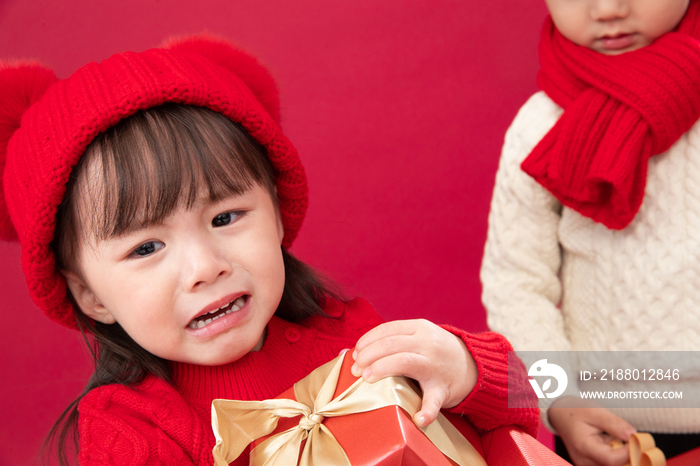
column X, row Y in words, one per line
column 121, row 425
column 520, row 268
column 487, row 406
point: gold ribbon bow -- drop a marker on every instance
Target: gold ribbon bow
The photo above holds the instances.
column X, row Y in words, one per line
column 643, row 450
column 237, row 423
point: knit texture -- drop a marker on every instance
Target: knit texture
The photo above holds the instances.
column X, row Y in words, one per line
column 59, row 120
column 554, row 280
column 156, row 423
column 619, row 111
column 22, row 84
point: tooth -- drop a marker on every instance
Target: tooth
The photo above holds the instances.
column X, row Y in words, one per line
column 200, row 324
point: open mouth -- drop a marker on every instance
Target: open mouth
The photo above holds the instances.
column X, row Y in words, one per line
column 209, row 317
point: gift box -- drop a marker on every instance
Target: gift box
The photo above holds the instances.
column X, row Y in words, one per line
column 331, row 417
column 510, row 446
column 689, row 458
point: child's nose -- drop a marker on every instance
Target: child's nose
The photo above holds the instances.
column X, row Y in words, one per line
column 607, row 10
column 204, row 265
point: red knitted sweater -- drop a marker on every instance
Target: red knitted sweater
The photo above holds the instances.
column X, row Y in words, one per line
column 156, row 423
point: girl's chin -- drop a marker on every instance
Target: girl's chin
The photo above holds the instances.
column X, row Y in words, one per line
column 226, row 351
column 219, row 357
column 261, row 341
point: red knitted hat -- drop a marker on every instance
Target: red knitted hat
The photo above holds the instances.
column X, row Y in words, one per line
column 46, row 124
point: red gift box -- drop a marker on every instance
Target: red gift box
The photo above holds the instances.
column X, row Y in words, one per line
column 510, row 446
column 385, row 436
column 689, row 458
column 388, row 436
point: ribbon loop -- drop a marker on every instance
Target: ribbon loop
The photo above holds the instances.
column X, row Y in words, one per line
column 643, row 450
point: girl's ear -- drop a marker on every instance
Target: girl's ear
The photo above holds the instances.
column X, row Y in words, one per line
column 280, row 228
column 280, row 225
column 87, row 301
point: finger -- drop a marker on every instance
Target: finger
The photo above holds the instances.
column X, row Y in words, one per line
column 397, row 327
column 433, row 399
column 602, row 453
column 385, row 347
column 411, row 365
column 611, row 424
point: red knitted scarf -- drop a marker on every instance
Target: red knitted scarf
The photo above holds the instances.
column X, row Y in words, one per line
column 619, row 111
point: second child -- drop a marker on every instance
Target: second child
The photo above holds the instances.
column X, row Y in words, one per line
column 594, row 230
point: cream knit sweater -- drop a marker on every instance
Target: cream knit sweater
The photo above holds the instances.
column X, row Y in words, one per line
column 555, row 280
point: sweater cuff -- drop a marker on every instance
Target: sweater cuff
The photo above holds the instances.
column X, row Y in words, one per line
column 487, row 405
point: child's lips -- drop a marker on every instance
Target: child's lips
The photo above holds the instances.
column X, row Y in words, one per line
column 617, row 42
column 227, row 320
column 217, row 312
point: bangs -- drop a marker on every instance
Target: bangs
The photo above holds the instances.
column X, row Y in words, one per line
column 141, row 170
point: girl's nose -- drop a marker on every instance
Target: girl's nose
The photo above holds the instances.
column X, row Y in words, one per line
column 204, row 264
column 608, row 10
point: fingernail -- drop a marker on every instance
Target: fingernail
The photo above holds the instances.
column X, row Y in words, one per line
column 367, row 374
column 354, row 355
column 355, row 370
column 420, row 420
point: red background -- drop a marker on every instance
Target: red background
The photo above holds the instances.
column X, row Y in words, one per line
column 398, row 109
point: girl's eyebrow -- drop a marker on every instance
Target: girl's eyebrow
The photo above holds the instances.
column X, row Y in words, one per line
column 132, row 228
column 221, row 195
column 136, row 224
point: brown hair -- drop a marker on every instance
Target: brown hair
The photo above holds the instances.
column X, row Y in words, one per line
column 136, row 174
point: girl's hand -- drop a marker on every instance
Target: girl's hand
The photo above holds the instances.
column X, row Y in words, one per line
column 422, row 351
column 587, row 429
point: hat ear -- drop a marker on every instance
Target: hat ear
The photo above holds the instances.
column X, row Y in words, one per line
column 21, row 84
column 242, row 64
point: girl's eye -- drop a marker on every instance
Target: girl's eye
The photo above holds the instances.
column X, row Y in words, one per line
column 146, row 249
column 224, row 219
